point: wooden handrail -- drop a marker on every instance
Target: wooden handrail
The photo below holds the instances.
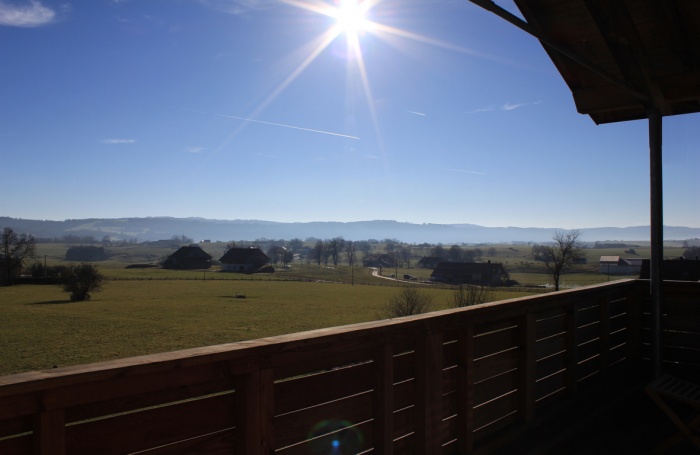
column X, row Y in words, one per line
column 445, row 381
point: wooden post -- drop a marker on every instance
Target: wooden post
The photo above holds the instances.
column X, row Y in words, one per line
column 527, row 365
column 384, row 399
column 465, row 390
column 50, row 433
column 254, row 411
column 428, row 394
column 657, row 234
column 572, row 349
column 604, row 340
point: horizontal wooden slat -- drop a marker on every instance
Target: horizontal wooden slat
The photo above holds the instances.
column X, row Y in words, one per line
column 496, row 364
column 494, row 342
column 549, row 346
column 495, row 410
column 551, row 326
column 550, row 384
column 219, row 442
column 404, row 422
column 404, row 394
column 588, row 315
column 353, row 439
column 298, row 426
column 588, row 332
column 151, row 428
column 551, row 365
column 22, row 445
column 307, row 391
column 495, row 387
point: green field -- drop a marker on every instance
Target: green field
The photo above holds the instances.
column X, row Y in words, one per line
column 142, row 311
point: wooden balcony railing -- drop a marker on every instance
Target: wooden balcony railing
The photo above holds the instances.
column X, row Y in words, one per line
column 453, row 381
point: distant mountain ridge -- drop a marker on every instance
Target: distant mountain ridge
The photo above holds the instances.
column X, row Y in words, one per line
column 159, row 228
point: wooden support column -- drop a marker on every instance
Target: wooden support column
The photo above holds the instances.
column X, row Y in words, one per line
column 527, row 365
column 384, row 399
column 657, row 234
column 254, row 411
column 50, row 433
column 429, row 394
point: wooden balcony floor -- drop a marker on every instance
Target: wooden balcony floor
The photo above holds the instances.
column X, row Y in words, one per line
column 631, row 424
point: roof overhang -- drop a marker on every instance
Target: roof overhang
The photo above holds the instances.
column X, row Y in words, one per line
column 642, row 54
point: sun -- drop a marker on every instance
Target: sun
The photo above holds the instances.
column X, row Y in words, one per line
column 350, row 16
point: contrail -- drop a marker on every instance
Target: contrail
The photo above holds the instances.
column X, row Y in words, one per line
column 417, row 113
column 279, row 124
column 460, row 170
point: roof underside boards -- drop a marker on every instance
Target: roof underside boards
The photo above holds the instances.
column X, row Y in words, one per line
column 651, row 45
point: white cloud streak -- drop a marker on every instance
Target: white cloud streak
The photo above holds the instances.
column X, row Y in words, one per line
column 417, row 113
column 506, row 107
column 119, row 141
column 278, row 124
column 460, row 170
column 237, row 6
column 195, row 149
column 30, row 14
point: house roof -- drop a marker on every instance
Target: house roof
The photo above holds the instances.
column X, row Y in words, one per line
column 190, row 252
column 467, row 268
column 639, row 53
column 612, row 259
column 430, row 259
column 242, row 255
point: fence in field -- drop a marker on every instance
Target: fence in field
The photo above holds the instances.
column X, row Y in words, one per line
column 454, row 381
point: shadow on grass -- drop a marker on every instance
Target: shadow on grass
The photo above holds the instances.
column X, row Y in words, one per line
column 52, row 302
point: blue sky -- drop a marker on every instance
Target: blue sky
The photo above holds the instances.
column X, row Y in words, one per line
column 435, row 111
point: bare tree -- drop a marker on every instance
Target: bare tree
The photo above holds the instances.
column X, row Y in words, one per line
column 468, row 295
column 559, row 255
column 319, row 251
column 335, row 247
column 350, row 248
column 14, row 250
column 407, row 302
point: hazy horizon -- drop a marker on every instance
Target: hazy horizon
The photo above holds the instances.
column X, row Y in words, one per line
column 335, row 221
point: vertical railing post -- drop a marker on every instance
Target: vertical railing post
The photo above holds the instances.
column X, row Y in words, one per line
column 604, row 337
column 254, row 412
column 429, row 394
column 50, row 433
column 527, row 365
column 635, row 306
column 572, row 348
column 465, row 390
column 384, row 399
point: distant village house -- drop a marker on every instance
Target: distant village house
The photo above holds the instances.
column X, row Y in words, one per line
column 188, row 258
column 429, row 262
column 379, row 260
column 615, row 265
column 243, row 260
column 486, row 273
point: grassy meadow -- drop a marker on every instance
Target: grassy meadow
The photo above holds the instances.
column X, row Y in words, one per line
column 143, row 311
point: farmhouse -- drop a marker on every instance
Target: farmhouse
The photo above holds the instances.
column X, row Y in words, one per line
column 243, row 260
column 188, row 258
column 429, row 262
column 674, row 269
column 615, row 265
column 469, row 272
column 379, row 260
